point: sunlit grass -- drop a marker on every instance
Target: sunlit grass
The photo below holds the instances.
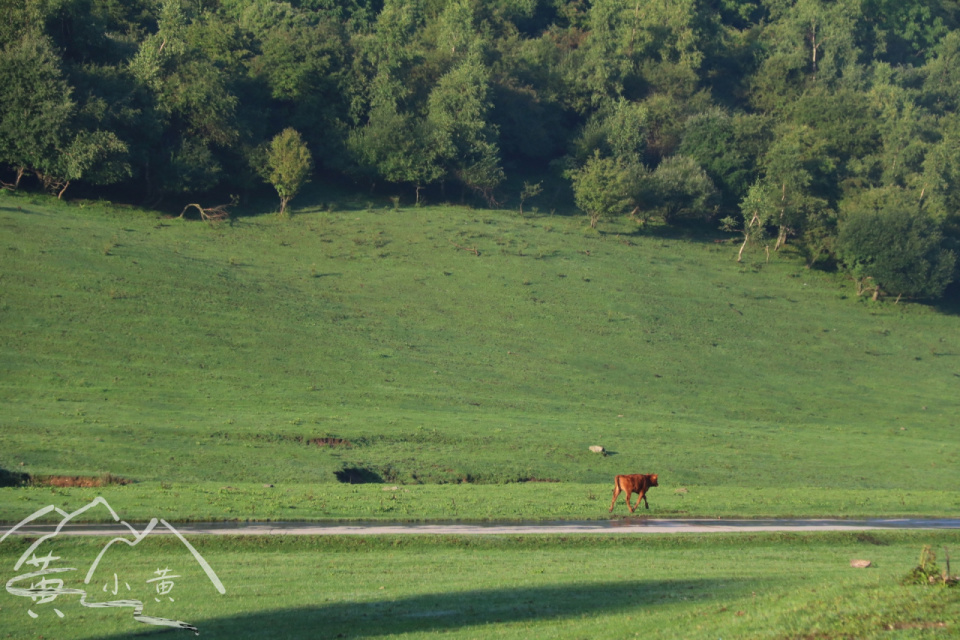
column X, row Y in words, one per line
column 751, row 586
column 214, row 355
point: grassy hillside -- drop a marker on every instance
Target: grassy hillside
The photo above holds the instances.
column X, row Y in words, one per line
column 443, row 344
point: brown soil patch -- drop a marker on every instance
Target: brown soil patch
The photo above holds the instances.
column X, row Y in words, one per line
column 329, row 442
column 79, row 481
column 897, row 626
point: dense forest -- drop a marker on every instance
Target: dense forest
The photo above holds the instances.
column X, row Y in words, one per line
column 830, row 126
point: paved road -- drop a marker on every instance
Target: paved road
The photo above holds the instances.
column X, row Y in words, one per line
column 615, row 526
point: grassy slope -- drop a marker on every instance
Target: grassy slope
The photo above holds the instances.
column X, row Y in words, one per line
column 713, row 586
column 170, row 351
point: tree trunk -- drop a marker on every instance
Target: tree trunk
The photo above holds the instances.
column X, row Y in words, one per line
column 782, row 235
column 16, row 183
column 781, row 239
column 742, row 247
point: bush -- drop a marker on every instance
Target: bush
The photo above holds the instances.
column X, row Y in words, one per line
column 897, row 246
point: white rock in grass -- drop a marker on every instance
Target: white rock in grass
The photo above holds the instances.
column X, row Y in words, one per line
column 860, row 564
column 597, row 448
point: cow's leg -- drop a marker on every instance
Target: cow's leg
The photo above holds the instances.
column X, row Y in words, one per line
column 645, row 503
column 629, row 506
column 616, row 492
column 640, row 496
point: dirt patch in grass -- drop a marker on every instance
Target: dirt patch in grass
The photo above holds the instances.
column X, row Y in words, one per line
column 104, row 480
column 319, row 441
column 330, row 442
column 897, row 626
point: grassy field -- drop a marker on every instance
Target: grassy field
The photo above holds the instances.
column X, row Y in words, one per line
column 364, row 362
column 711, row 586
column 206, row 501
column 455, row 353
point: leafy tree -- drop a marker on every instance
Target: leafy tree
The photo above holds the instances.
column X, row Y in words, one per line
column 302, row 59
column 529, row 191
column 666, row 116
column 619, row 130
column 906, row 130
column 98, row 157
column 906, row 31
column 727, row 147
column 753, row 225
column 35, row 105
column 457, row 116
column 633, row 45
column 806, row 42
column 795, row 165
column 287, row 165
column 885, row 236
column 845, row 121
column 681, row 191
column 604, row 187
column 398, row 147
column 21, row 18
column 187, row 71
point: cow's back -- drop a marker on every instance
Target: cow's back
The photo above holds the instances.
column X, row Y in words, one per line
column 633, row 483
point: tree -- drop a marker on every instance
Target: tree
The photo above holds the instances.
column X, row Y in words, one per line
column 288, row 165
column 727, row 147
column 753, row 225
column 35, row 105
column 682, row 190
column 398, row 147
column 631, row 46
column 618, row 130
column 188, row 67
column 301, row 57
column 457, row 114
column 796, row 174
column 886, row 236
column 529, row 191
column 98, row 157
column 807, row 42
column 604, row 187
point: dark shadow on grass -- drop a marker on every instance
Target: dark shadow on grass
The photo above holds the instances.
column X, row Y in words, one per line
column 949, row 302
column 12, row 478
column 440, row 612
column 358, row 475
column 702, row 234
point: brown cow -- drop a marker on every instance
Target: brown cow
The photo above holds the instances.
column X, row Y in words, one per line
column 638, row 483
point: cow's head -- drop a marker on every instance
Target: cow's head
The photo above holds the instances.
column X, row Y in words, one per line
column 653, row 480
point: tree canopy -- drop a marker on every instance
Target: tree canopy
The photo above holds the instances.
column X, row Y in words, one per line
column 777, row 117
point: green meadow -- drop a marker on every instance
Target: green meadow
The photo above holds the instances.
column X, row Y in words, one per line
column 775, row 586
column 361, row 361
column 467, row 357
